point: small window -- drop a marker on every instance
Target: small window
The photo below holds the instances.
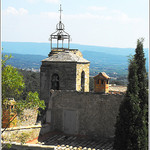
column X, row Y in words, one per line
column 102, row 81
column 82, row 81
column 55, row 82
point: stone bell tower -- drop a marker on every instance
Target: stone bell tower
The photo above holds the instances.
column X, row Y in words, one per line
column 65, row 68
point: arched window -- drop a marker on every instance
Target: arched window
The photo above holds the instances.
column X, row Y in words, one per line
column 107, row 82
column 82, row 81
column 55, row 82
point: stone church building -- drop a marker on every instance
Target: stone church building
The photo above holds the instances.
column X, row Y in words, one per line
column 64, row 85
column 64, row 69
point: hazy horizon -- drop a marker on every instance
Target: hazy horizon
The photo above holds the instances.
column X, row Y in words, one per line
column 99, row 22
column 77, row 44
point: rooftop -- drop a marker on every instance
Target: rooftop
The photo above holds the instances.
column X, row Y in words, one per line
column 63, row 141
column 102, row 74
column 66, row 56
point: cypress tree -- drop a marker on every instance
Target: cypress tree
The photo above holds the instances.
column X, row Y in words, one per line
column 143, row 93
column 142, row 75
column 127, row 130
column 132, row 123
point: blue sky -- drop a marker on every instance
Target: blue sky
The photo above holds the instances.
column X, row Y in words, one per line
column 111, row 23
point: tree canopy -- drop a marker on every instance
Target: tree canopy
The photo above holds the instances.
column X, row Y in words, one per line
column 12, row 82
column 12, row 87
column 126, row 137
column 143, row 93
column 131, row 126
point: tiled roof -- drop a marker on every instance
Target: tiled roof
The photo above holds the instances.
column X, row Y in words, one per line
column 103, row 74
column 71, row 142
column 66, row 57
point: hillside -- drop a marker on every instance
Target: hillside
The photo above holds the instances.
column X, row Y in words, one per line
column 113, row 61
column 114, row 66
column 25, row 61
column 44, row 48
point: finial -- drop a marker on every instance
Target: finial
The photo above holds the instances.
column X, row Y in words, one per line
column 60, row 12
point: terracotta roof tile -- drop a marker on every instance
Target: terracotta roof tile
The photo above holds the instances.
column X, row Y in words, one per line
column 102, row 74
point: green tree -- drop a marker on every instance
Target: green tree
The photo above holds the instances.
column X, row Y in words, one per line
column 132, row 122
column 12, row 87
column 142, row 75
column 32, row 102
column 4, row 59
column 12, row 82
column 126, row 133
column 143, row 92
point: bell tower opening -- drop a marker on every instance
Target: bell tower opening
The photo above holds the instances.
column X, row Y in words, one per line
column 82, row 81
column 55, row 82
column 60, row 36
column 64, row 68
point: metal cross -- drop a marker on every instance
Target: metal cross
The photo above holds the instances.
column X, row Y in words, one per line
column 60, row 12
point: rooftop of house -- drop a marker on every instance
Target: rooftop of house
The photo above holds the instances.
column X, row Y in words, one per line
column 63, row 141
column 102, row 74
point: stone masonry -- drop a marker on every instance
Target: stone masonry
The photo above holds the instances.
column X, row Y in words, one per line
column 67, row 67
column 80, row 68
column 82, row 113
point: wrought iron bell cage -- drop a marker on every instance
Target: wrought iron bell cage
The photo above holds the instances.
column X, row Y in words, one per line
column 60, row 35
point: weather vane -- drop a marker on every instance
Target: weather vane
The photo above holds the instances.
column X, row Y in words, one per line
column 60, row 12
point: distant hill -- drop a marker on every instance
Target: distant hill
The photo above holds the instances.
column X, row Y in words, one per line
column 44, row 48
column 25, row 61
column 99, row 62
column 113, row 61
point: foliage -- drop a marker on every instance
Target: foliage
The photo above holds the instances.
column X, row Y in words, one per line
column 32, row 102
column 126, row 134
column 4, row 59
column 131, row 130
column 142, row 74
column 8, row 145
column 12, row 82
column 143, row 92
column 23, row 137
column 12, row 87
column 32, row 82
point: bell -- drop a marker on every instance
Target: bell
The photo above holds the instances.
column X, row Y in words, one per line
column 59, row 37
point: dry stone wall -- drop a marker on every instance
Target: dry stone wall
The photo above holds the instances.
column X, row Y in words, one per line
column 18, row 146
column 24, row 134
column 27, row 118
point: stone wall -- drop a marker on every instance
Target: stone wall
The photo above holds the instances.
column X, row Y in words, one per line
column 27, row 118
column 76, row 51
column 18, row 146
column 80, row 68
column 69, row 77
column 66, row 73
column 24, row 134
column 83, row 113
